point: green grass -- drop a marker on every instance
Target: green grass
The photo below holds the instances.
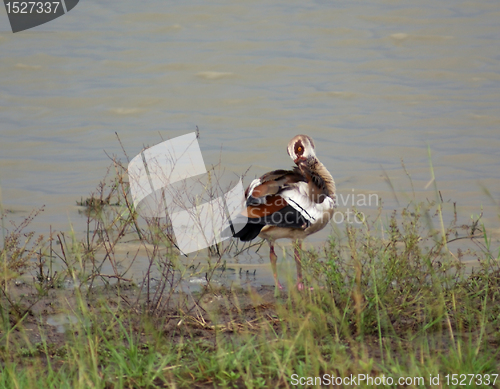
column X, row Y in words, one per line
column 391, row 299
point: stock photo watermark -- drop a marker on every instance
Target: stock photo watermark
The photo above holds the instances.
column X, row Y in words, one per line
column 356, row 380
column 163, row 181
column 24, row 15
column 169, row 180
column 351, row 202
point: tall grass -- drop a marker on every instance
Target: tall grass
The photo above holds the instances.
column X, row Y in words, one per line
column 391, row 298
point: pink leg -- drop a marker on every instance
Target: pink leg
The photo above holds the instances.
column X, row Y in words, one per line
column 274, row 259
column 296, row 254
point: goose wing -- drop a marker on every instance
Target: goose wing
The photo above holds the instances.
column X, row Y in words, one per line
column 266, row 204
column 299, row 199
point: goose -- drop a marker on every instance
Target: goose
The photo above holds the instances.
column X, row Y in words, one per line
column 289, row 204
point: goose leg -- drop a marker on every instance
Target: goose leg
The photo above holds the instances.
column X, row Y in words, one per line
column 274, row 259
column 296, row 254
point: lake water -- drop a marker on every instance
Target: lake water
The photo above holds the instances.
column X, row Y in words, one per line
column 371, row 81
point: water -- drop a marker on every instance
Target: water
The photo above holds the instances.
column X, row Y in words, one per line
column 372, row 82
column 62, row 321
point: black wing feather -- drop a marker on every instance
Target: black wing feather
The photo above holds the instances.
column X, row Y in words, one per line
column 287, row 217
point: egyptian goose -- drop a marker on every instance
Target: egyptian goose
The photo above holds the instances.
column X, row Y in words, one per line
column 289, row 203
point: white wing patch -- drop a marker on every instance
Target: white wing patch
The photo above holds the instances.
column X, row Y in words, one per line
column 298, row 198
column 255, row 183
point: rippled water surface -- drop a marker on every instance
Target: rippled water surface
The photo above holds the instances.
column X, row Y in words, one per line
column 371, row 81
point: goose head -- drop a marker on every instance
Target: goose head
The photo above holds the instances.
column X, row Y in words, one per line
column 301, row 149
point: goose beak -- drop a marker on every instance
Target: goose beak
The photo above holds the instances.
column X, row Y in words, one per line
column 299, row 160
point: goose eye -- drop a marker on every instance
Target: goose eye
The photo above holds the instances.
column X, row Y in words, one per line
column 299, row 149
